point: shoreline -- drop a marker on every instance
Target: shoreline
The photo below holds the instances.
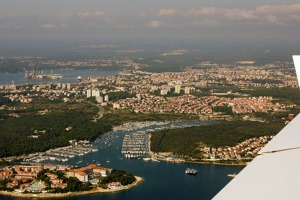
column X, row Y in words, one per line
column 71, row 194
column 152, row 155
column 216, row 163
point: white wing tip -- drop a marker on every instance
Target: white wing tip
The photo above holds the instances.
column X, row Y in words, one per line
column 296, row 59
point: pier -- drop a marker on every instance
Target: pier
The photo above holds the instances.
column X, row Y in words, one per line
column 135, row 145
column 62, row 154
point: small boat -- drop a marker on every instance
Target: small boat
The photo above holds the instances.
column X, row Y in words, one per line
column 191, row 171
column 232, row 175
column 147, row 159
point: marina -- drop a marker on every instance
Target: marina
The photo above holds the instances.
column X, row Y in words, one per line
column 151, row 126
column 135, row 145
column 62, row 154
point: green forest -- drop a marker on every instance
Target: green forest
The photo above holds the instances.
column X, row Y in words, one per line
column 184, row 141
column 4, row 100
column 292, row 94
column 121, row 176
column 16, row 133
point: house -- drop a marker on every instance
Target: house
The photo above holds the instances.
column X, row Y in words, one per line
column 24, row 185
column 5, row 173
column 50, row 167
column 53, row 167
column 90, row 172
column 27, row 172
column 58, row 183
column 99, row 170
column 12, row 184
column 93, row 169
column 51, row 176
column 114, row 185
column 78, row 174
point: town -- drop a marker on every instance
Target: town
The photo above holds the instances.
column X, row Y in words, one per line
column 244, row 150
column 192, row 92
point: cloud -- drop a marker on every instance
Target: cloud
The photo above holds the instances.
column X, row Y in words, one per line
column 279, row 15
column 164, row 12
column 232, row 14
column 155, row 24
column 274, row 20
column 6, row 26
column 206, row 22
column 229, row 13
column 92, row 14
column 142, row 14
column 53, row 26
column 49, row 26
column 204, row 11
column 87, row 14
column 67, row 15
column 240, row 14
column 276, row 14
column 279, row 9
column 10, row 15
column 295, row 17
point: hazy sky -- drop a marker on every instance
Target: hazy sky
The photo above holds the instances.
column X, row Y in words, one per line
column 189, row 19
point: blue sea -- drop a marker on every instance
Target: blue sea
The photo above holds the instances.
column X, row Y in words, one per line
column 70, row 76
column 162, row 180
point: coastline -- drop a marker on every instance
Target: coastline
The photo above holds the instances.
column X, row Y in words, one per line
column 71, row 194
column 152, row 155
column 216, row 163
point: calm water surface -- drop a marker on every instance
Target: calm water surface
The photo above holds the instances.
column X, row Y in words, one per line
column 70, row 75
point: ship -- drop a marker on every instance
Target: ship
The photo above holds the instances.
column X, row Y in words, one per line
column 190, row 171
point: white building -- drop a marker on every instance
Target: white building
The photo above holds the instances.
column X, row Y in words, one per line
column 89, row 93
column 139, row 97
column 177, row 89
column 116, row 106
column 106, row 98
column 96, row 93
column 189, row 90
column 69, row 86
column 163, row 92
column 99, row 99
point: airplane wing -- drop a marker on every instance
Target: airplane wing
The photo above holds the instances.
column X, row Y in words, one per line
column 275, row 172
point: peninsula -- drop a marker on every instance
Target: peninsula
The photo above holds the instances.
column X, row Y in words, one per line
column 50, row 180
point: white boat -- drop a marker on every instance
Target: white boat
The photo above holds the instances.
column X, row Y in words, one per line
column 231, row 175
column 191, row 171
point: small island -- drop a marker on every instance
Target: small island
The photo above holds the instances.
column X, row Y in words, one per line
column 50, row 180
